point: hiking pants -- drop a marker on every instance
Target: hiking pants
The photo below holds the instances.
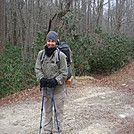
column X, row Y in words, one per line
column 50, row 125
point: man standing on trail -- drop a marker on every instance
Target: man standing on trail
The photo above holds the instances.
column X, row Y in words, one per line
column 51, row 76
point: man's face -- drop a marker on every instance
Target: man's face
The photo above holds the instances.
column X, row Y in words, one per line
column 51, row 43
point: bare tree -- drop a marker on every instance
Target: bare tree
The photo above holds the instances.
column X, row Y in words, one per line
column 83, row 17
column 94, row 15
column 89, row 16
column 120, row 11
column 2, row 27
column 99, row 13
column 108, row 16
column 65, row 8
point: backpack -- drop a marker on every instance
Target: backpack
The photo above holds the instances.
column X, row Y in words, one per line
column 63, row 47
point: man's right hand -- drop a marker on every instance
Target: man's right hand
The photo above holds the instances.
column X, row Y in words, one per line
column 43, row 82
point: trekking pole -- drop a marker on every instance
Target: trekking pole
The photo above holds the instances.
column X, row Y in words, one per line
column 52, row 95
column 43, row 95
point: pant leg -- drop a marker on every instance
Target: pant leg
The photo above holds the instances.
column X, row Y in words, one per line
column 48, row 124
column 59, row 101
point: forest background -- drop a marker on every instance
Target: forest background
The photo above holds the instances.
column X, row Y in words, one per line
column 99, row 32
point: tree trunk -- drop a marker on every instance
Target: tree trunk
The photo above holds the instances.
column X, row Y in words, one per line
column 58, row 20
column 99, row 13
column 83, row 18
column 89, row 17
column 2, row 25
column 108, row 17
column 119, row 14
column 94, row 15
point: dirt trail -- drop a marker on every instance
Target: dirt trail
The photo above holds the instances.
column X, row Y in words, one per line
column 88, row 110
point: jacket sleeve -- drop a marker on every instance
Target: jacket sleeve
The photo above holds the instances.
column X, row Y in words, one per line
column 63, row 71
column 38, row 68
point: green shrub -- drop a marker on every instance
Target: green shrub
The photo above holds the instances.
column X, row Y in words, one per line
column 100, row 53
column 14, row 75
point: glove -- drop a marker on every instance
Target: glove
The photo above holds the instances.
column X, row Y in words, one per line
column 43, row 82
column 52, row 83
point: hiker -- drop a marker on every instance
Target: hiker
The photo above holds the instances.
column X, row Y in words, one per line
column 51, row 76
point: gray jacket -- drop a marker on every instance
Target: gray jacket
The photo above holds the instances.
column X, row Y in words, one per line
column 49, row 69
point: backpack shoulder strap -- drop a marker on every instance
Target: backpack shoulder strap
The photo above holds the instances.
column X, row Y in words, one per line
column 58, row 58
column 42, row 56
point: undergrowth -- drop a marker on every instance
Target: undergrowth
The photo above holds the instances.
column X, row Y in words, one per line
column 14, row 75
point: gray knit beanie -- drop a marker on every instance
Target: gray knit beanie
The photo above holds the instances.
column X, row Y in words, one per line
column 52, row 35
